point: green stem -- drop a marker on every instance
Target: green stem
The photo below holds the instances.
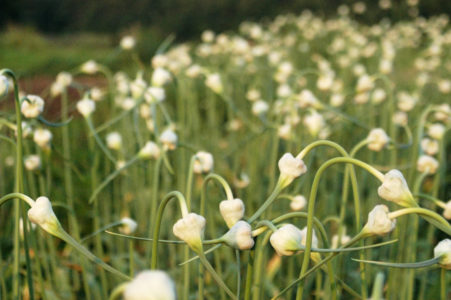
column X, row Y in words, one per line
column 156, row 231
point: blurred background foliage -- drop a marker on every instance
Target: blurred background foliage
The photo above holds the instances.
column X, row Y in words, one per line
column 47, row 36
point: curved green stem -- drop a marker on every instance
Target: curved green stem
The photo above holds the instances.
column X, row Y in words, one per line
column 156, row 232
column 430, row 216
column 117, row 292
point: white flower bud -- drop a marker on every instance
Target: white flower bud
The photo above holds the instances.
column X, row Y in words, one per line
column 429, row 146
column 314, row 122
column 32, row 162
column 232, row 211
column 150, row 285
column 190, row 229
column 42, row 137
column 304, row 238
column 4, row 85
column 447, row 210
column 364, row 84
column 193, row 71
column 160, row 77
column 208, row 36
column 128, row 42
column 259, row 107
column 378, row 96
column 344, row 240
column 284, row 131
column 128, row 226
column 32, row 108
column 400, row 118
column 169, row 139
column 253, row 95
column 97, row 94
column 89, row 67
column 394, row 188
column 150, row 150
column 291, row 167
column 213, row 81
column 287, row 240
column 138, row 86
column 298, row 203
column 436, row 131
column 337, row 100
column 284, row 91
column 443, row 113
column 155, row 94
column 377, row 139
column 114, row 141
column 86, row 107
column 443, row 250
column 306, row 99
column 240, row 236
column 427, row 164
column 203, row 162
column 379, row 222
column 444, row 86
column 41, row 213
column 64, row 79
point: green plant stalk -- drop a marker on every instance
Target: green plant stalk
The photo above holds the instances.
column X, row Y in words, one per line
column 154, row 200
column 117, row 292
column 18, row 187
column 157, row 224
column 98, row 241
column 443, row 284
column 68, row 187
column 311, row 206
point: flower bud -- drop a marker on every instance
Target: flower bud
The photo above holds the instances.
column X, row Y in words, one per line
column 128, row 226
column 32, row 162
column 90, row 67
column 150, row 150
column 290, row 167
column 64, row 79
column 443, row 250
column 169, row 139
column 253, row 95
column 364, row 84
column 394, row 188
column 304, row 238
column 259, row 107
column 298, row 203
column 335, row 239
column 427, row 164
column 214, row 82
column 41, row 213
column 33, row 107
column 379, row 222
column 114, row 141
column 150, row 285
column 447, row 210
column 203, row 162
column 377, row 139
column 232, row 211
column 190, row 229
column 4, row 86
column 240, row 236
column 314, row 122
column 128, row 42
column 160, row 77
column 155, row 94
column 42, row 137
column 287, row 240
column 138, row 86
column 436, row 131
column 86, row 107
column 429, row 146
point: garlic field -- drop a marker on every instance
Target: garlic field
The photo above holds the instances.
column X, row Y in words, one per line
column 299, row 158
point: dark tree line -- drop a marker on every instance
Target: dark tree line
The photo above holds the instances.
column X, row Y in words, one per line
column 186, row 18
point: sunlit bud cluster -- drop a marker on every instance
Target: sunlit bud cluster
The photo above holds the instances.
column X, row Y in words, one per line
column 169, row 139
column 89, row 67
